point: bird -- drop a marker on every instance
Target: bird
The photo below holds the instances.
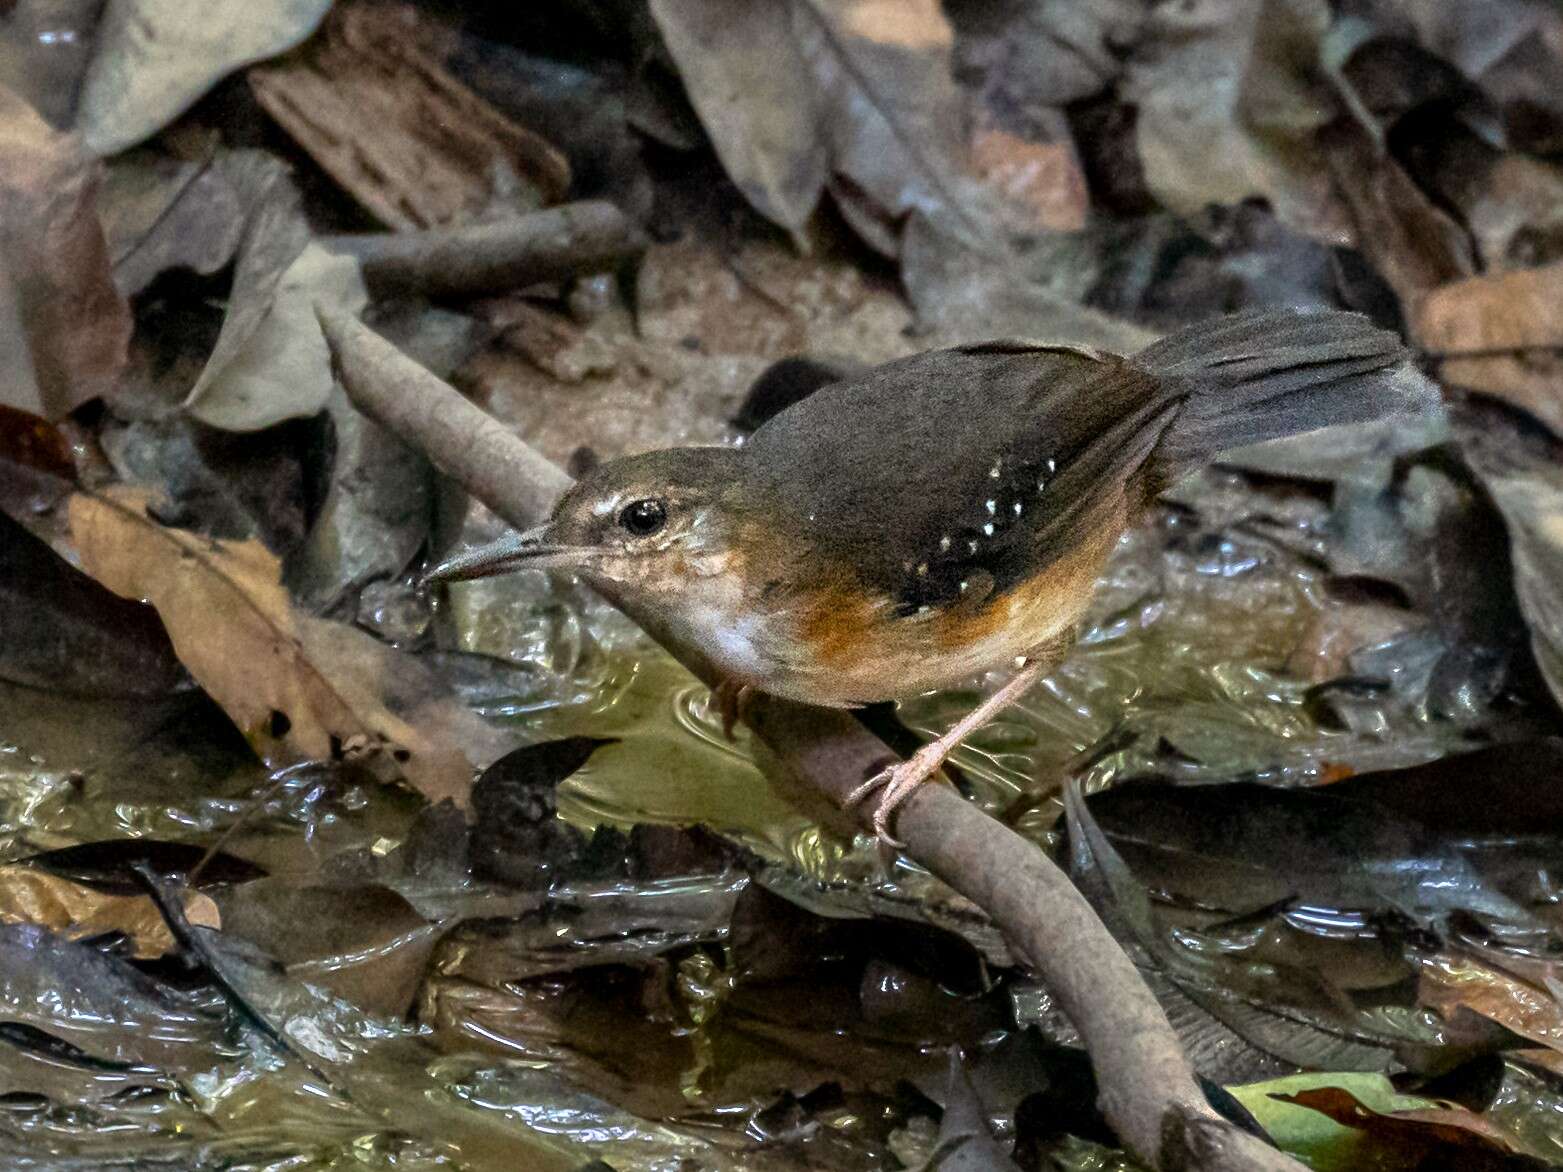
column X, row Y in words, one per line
column 938, row 516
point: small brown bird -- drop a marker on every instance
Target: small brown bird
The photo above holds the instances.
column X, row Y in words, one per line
column 942, row 514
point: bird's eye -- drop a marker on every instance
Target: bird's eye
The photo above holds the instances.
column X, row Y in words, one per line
column 644, row 517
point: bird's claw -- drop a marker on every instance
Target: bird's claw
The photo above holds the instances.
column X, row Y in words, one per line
column 899, row 782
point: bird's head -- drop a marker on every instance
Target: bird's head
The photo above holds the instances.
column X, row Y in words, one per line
column 647, row 521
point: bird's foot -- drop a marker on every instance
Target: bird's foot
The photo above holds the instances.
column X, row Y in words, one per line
column 731, row 699
column 899, row 782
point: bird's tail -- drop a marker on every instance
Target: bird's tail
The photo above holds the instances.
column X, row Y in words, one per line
column 1266, row 374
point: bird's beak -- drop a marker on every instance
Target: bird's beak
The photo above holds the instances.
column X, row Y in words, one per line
column 531, row 550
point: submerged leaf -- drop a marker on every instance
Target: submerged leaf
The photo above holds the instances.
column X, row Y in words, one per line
column 369, row 1061
column 62, row 631
column 31, row 896
column 101, row 1003
column 298, row 688
column 110, row 865
column 362, row 943
column 1348, row 1122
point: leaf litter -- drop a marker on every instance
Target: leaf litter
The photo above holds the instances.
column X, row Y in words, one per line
column 1299, row 755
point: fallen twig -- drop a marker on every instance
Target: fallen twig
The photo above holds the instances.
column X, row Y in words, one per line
column 498, row 257
column 1148, row 1089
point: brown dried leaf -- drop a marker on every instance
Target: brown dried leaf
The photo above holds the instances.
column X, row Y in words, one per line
column 1450, row 983
column 1501, row 334
column 363, row 943
column 298, row 688
column 402, row 136
column 1409, row 1137
column 1517, row 310
column 1043, row 179
column 31, row 896
column 64, row 328
column 1413, row 244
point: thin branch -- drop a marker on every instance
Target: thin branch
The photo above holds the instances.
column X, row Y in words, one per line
column 496, row 257
column 1149, row 1092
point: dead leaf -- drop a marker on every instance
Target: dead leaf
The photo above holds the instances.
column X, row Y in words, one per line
column 270, row 362
column 31, row 896
column 1527, row 488
column 1450, row 983
column 1227, row 108
column 63, row 327
column 44, row 49
column 64, row 632
column 362, row 943
column 283, row 369
column 1473, row 37
column 111, row 864
column 1042, row 179
column 1041, row 53
column 1517, row 310
column 1501, row 334
column 1414, row 245
column 275, row 233
column 963, row 296
column 1409, row 1137
column 154, row 58
column 297, row 688
column 400, row 134
column 742, row 71
column 1512, row 203
column 1522, row 83
column 35, row 443
column 891, row 115
column 162, row 213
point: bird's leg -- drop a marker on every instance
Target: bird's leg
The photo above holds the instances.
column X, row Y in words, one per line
column 898, row 781
column 730, row 698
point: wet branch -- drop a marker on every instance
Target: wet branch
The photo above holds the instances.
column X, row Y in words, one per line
column 1148, row 1089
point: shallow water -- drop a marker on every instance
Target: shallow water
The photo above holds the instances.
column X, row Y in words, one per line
column 1189, row 666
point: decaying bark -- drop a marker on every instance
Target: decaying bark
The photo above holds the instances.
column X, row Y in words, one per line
column 1148, row 1089
column 496, row 257
column 400, row 134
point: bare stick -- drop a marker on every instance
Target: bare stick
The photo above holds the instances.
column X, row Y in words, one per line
column 571, row 239
column 1149, row 1093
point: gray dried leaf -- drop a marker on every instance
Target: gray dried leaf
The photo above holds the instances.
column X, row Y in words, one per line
column 162, row 213
column 154, row 58
column 1528, row 491
column 742, row 70
column 1210, row 87
column 892, row 112
column 282, row 370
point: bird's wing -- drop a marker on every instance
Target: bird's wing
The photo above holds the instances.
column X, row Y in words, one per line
column 978, row 463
